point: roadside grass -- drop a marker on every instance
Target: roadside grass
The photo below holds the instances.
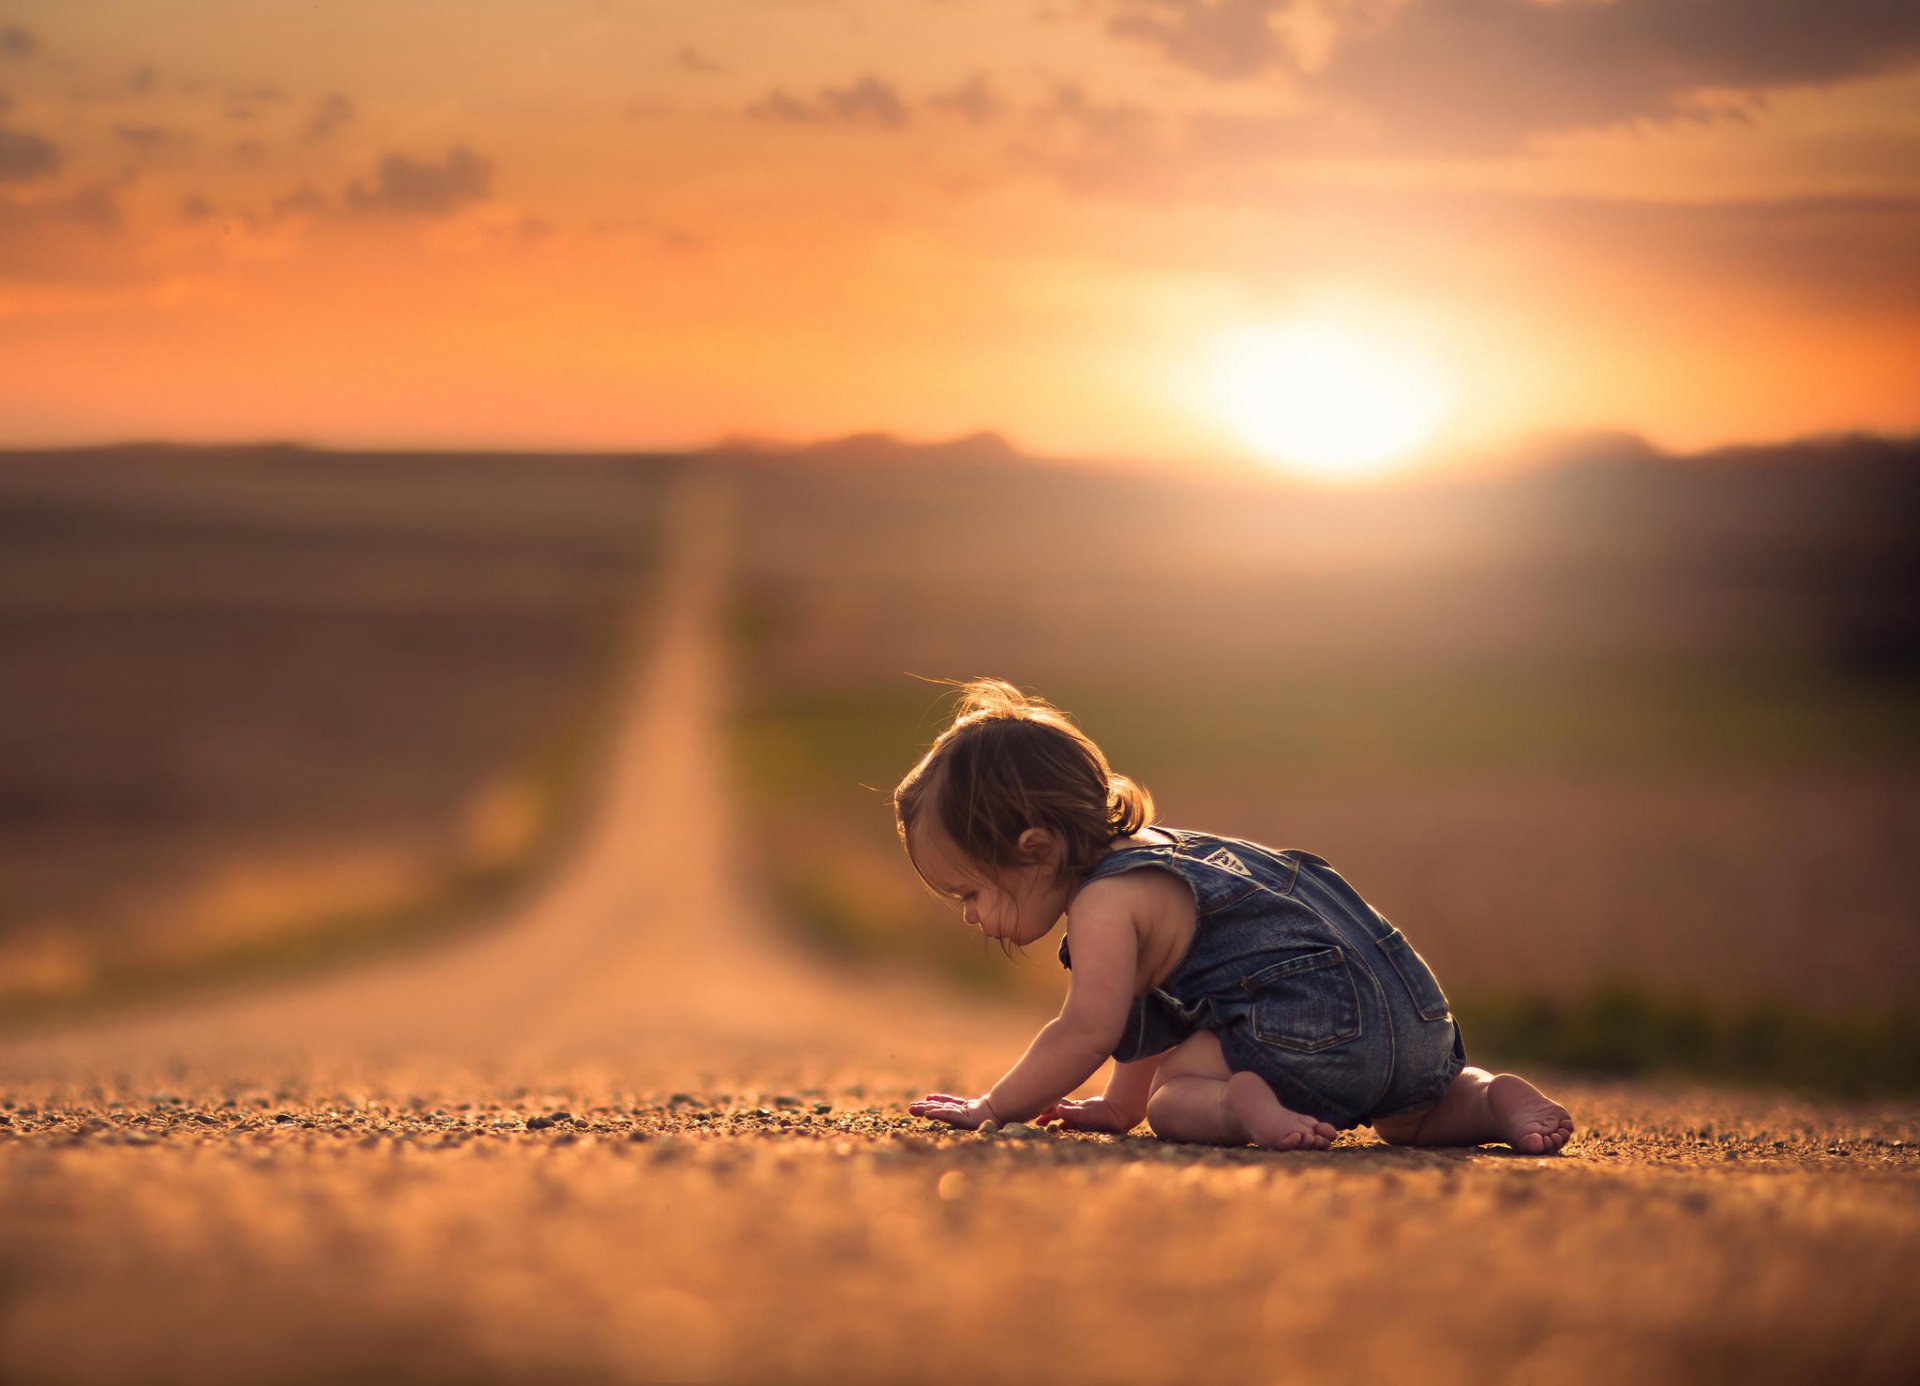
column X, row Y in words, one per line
column 1624, row 1029
column 1777, row 714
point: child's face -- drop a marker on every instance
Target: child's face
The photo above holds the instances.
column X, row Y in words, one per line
column 1021, row 907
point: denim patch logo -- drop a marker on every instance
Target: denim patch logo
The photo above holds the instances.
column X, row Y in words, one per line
column 1227, row 861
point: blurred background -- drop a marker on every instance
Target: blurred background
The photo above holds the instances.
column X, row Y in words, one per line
column 1625, row 743
column 1470, row 440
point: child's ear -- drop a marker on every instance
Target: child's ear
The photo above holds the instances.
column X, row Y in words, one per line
column 1035, row 846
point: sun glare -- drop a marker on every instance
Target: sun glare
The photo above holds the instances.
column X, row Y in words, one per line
column 1322, row 401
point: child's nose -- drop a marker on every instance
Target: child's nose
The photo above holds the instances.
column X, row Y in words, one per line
column 970, row 915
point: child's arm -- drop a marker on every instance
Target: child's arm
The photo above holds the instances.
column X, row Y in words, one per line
column 1074, row 1044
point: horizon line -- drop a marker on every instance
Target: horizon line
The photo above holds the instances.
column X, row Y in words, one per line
column 1556, row 446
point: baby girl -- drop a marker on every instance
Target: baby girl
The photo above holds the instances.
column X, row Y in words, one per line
column 1244, row 994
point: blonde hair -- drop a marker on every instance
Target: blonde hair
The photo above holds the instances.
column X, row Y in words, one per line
column 1009, row 762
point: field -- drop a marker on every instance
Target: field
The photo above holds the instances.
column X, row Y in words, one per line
column 260, row 707
column 1623, row 738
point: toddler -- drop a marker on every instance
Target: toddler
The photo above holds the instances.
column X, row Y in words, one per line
column 1244, row 994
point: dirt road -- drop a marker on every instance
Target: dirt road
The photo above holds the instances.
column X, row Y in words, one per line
column 629, row 1132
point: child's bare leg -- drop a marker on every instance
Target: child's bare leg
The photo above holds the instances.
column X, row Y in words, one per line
column 1197, row 1098
column 1481, row 1107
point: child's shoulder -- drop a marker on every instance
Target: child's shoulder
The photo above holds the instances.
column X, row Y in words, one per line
column 1133, row 906
column 1136, row 879
column 1126, row 880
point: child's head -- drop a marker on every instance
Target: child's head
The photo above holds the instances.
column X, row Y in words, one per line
column 1010, row 764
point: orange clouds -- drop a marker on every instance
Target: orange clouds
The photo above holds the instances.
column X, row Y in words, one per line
column 424, row 187
column 615, row 224
column 1451, row 74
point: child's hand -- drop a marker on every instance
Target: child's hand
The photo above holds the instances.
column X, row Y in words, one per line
column 966, row 1113
column 1094, row 1114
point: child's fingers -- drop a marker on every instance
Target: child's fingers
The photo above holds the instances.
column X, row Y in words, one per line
column 939, row 1106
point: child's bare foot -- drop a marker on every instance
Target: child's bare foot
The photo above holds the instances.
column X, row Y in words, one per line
column 1481, row 1107
column 1527, row 1119
column 1252, row 1107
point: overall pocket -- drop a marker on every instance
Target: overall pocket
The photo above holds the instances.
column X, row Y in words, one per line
column 1420, row 982
column 1305, row 1003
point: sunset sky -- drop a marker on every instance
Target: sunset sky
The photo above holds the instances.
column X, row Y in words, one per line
column 1089, row 224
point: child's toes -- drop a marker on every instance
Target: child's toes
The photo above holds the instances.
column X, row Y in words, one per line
column 1545, row 1136
column 1528, row 1120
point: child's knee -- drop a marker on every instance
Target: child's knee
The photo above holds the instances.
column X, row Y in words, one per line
column 1159, row 1103
column 1175, row 1105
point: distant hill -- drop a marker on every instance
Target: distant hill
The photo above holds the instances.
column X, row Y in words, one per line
column 875, row 446
column 1619, row 455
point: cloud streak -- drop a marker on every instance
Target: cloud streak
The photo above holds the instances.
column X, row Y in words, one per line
column 973, row 101
column 694, row 61
column 1487, row 74
column 422, row 187
column 76, row 238
column 1219, row 38
column 329, row 113
column 25, row 156
column 877, row 103
column 869, row 101
column 145, row 140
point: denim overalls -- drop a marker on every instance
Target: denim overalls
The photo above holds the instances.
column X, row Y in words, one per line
column 1304, row 982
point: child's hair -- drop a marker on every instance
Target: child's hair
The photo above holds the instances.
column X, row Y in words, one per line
column 1010, row 762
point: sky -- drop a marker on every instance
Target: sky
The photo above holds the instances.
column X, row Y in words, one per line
column 1135, row 229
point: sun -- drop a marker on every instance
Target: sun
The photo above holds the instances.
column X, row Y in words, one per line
column 1322, row 401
